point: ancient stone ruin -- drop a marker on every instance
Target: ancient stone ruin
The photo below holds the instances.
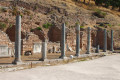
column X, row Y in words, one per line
column 30, row 43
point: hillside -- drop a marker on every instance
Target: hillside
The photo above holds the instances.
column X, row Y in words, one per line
column 48, row 15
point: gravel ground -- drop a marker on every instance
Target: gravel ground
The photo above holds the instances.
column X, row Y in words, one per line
column 105, row 68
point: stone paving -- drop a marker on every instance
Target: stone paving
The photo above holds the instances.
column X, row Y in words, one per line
column 105, row 68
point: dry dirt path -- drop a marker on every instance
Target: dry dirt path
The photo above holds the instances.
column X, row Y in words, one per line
column 105, row 68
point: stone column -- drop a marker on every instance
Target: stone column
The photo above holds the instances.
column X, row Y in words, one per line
column 88, row 40
column 105, row 41
column 18, row 41
column 112, row 49
column 63, row 42
column 77, row 40
column 97, row 49
column 44, row 51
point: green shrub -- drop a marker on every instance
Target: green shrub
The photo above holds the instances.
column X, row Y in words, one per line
column 38, row 28
column 47, row 25
column 100, row 13
column 3, row 9
column 118, row 24
column 109, row 25
column 82, row 26
column 31, row 30
column 66, row 23
column 2, row 25
column 21, row 15
column 10, row 25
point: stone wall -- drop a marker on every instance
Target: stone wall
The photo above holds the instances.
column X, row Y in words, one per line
column 5, row 42
column 28, row 42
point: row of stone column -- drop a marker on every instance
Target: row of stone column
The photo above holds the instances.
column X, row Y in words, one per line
column 88, row 41
column 63, row 39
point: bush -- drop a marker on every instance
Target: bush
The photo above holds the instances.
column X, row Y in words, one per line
column 38, row 28
column 2, row 25
column 3, row 9
column 81, row 26
column 31, row 30
column 47, row 25
column 100, row 13
column 10, row 25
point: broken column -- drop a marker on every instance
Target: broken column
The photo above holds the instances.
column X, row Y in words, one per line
column 105, row 41
column 63, row 42
column 77, row 40
column 88, row 41
column 18, row 41
column 112, row 40
column 44, row 51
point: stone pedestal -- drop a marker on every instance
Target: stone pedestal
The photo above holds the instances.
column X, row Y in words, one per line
column 105, row 41
column 88, row 40
column 77, row 40
column 18, row 41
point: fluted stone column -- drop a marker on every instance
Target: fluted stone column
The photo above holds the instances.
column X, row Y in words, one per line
column 105, row 41
column 97, row 49
column 18, row 41
column 63, row 36
column 112, row 49
column 44, row 51
column 88, row 41
column 77, row 40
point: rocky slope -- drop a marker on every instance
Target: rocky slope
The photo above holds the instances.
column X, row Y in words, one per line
column 48, row 15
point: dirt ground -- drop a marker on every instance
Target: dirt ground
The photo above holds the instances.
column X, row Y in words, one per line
column 34, row 57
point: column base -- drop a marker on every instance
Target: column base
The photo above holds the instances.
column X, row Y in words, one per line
column 17, row 62
column 63, row 57
column 112, row 50
column 77, row 55
column 42, row 59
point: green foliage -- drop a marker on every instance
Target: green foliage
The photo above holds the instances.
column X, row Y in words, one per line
column 82, row 26
column 100, row 13
column 107, row 3
column 47, row 25
column 31, row 30
column 66, row 23
column 3, row 9
column 118, row 24
column 2, row 25
column 10, row 25
column 109, row 25
column 38, row 28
